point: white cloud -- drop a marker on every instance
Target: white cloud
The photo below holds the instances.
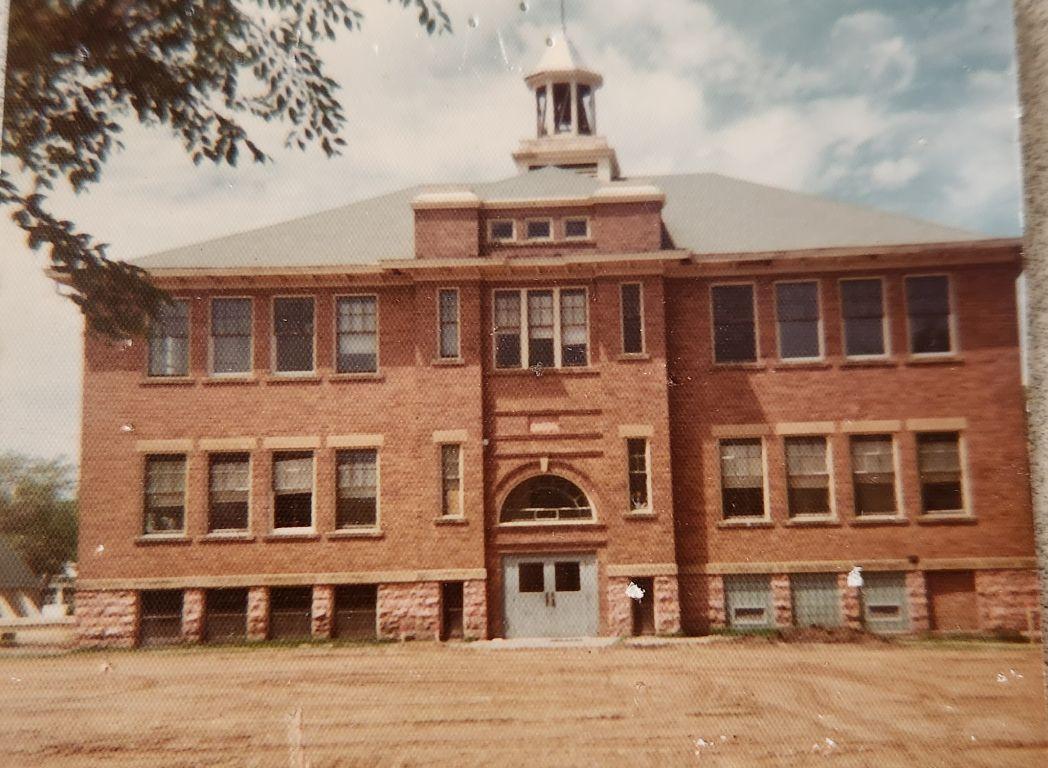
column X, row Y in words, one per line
column 891, row 174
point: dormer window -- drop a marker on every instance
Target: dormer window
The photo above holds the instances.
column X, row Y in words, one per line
column 562, row 107
column 585, row 109
column 540, row 109
column 540, row 229
column 501, row 230
column 576, row 229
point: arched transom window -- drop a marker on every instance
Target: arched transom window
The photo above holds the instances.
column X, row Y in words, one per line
column 545, row 498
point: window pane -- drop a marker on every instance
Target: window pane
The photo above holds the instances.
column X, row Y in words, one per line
column 293, row 490
column 632, row 330
column 576, row 228
column 357, row 501
column 733, row 325
column 573, row 328
column 293, row 329
column 502, row 230
column 540, row 110
column 507, row 329
column 169, row 341
column 567, row 577
column 530, row 578
column 451, row 480
column 165, row 494
column 231, row 335
column 585, row 109
column 230, row 481
column 540, row 328
column 539, row 230
column 873, row 474
column 928, row 305
column 562, row 107
column 862, row 306
column 449, row 323
column 797, row 307
column 939, row 464
column 742, row 478
column 807, row 476
column 357, row 334
column 637, row 457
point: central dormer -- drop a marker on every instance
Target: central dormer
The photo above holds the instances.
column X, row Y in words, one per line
column 564, row 91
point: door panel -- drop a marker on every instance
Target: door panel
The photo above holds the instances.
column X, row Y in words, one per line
column 550, row 595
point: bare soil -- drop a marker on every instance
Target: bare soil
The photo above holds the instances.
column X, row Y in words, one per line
column 422, row 704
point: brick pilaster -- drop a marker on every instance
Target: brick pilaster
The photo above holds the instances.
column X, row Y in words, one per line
column 851, row 602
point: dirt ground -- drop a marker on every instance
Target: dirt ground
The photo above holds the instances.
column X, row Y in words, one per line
column 423, row 704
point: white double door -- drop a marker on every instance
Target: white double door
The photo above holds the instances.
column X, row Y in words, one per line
column 550, row 595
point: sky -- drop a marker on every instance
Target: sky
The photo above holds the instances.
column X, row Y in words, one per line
column 909, row 107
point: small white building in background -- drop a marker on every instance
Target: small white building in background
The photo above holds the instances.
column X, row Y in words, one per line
column 29, row 613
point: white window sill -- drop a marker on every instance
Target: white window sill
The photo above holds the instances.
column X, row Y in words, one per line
column 642, row 514
column 356, row 533
column 880, row 520
column 163, row 538
column 292, row 534
column 959, row 517
column 450, row 520
column 227, row 536
column 746, row 522
column 812, row 521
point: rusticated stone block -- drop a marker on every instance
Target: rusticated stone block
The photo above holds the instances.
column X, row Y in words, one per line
column 917, row 597
column 193, row 615
column 107, row 618
column 716, row 608
column 782, row 599
column 667, row 605
column 851, row 602
column 1007, row 600
column 620, row 613
column 474, row 610
column 258, row 613
column 409, row 611
column 323, row 608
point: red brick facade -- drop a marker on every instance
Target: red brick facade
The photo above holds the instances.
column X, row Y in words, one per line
column 570, row 422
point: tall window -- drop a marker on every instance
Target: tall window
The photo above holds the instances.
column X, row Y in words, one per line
column 562, row 107
column 742, row 478
column 637, row 456
column 797, row 311
column 873, row 474
column 451, row 480
column 357, row 334
column 449, row 323
column 734, row 330
column 928, row 307
column 229, row 488
column 507, row 329
column 807, row 476
column 293, row 334
column 554, row 332
column 169, row 340
column 632, row 319
column 584, row 108
column 165, row 502
column 357, row 503
column 293, row 490
column 231, row 336
column 939, row 464
column 862, row 306
column 540, row 110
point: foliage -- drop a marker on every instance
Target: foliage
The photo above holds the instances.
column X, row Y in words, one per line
column 37, row 510
column 77, row 70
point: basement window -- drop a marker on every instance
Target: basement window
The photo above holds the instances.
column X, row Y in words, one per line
column 356, row 612
column 884, row 602
column 873, row 474
column 225, row 615
column 169, row 340
column 939, row 464
column 734, row 328
column 290, row 613
column 807, row 476
column 357, row 503
column 748, row 601
column 293, row 491
column 742, row 478
column 229, row 489
column 160, row 621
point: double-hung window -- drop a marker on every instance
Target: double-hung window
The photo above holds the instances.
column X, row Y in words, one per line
column 169, row 340
column 451, row 480
column 862, row 309
column 939, row 465
column 742, row 478
column 734, row 328
column 165, row 494
column 448, row 308
column 293, row 334
column 807, row 476
column 357, row 503
column 873, row 474
column 928, row 310
column 293, row 490
column 229, row 488
column 230, row 336
column 639, row 475
column 632, row 304
column 357, row 334
column 543, row 328
column 797, row 312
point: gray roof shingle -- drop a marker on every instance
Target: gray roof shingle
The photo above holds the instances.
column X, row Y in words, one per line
column 14, row 573
column 705, row 213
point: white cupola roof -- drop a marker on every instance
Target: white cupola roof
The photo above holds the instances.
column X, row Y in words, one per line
column 562, row 59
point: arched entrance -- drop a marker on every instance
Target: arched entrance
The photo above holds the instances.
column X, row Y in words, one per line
column 549, row 595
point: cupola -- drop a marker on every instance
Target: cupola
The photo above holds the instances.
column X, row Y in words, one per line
column 564, row 92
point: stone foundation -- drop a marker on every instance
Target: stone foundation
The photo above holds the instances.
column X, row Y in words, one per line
column 409, row 611
column 851, row 603
column 618, row 621
column 667, row 606
column 917, row 599
column 782, row 599
column 716, row 607
column 193, row 615
column 107, row 619
column 475, row 610
column 1007, row 600
column 258, row 613
column 322, row 612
